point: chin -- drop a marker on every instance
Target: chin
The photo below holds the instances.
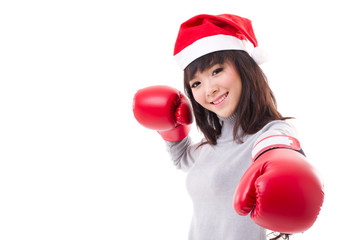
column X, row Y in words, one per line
column 224, row 115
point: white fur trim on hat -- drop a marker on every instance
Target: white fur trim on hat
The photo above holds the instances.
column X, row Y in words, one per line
column 259, row 55
column 210, row 44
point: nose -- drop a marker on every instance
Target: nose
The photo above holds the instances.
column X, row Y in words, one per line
column 211, row 88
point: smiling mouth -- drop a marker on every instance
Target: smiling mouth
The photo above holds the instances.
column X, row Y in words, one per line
column 220, row 99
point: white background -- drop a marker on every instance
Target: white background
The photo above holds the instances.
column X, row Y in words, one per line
column 74, row 163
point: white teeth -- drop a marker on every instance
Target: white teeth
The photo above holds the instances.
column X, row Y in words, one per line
column 221, row 99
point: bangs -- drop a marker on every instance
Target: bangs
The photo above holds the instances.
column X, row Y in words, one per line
column 205, row 62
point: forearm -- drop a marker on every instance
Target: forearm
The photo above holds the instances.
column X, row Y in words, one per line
column 181, row 153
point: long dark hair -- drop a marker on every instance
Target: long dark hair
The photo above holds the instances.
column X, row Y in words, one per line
column 257, row 105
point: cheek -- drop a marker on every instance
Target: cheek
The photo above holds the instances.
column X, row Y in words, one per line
column 229, row 83
column 199, row 97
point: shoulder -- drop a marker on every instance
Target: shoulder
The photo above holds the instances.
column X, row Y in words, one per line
column 277, row 127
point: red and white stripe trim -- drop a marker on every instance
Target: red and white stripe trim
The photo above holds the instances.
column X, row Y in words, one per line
column 275, row 141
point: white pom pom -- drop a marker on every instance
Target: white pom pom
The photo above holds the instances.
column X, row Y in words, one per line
column 259, row 55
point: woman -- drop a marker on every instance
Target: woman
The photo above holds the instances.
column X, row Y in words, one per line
column 235, row 110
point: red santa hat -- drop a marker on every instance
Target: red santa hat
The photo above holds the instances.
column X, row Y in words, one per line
column 204, row 34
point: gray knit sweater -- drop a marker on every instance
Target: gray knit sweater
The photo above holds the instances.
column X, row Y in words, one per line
column 213, row 173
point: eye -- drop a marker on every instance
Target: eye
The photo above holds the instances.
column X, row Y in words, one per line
column 195, row 84
column 217, row 71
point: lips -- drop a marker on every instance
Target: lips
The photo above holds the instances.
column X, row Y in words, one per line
column 220, row 99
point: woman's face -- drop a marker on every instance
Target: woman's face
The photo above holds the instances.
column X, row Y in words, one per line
column 218, row 89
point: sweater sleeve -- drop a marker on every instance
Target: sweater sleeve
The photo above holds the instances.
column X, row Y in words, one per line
column 277, row 128
column 182, row 153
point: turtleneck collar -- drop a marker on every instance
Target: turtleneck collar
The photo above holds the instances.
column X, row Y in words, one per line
column 227, row 130
column 232, row 118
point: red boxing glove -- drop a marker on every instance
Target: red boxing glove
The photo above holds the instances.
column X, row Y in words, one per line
column 281, row 189
column 164, row 109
